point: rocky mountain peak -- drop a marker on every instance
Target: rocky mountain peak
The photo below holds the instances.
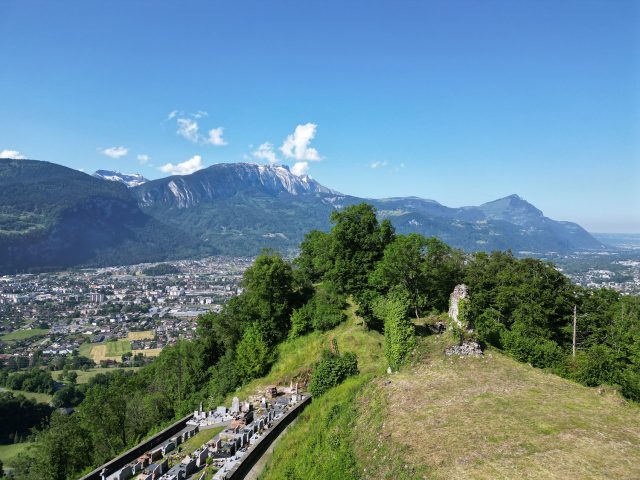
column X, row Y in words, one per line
column 128, row 179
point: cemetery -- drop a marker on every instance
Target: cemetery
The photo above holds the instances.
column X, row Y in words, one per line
column 244, row 425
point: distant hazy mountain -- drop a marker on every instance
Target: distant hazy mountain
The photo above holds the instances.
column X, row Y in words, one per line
column 54, row 217
column 506, row 223
column 129, row 179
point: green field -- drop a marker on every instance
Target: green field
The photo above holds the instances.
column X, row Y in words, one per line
column 23, row 334
column 38, row 397
column 85, row 375
column 117, row 348
column 9, row 452
column 85, row 350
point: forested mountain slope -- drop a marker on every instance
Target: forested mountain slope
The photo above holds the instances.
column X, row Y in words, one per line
column 53, row 217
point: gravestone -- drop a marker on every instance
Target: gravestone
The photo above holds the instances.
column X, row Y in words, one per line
column 235, row 406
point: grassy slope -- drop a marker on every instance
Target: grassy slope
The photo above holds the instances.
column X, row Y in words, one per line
column 296, row 357
column 490, row 418
column 319, row 445
column 85, row 375
column 442, row 417
column 8, row 453
column 38, row 397
column 23, row 334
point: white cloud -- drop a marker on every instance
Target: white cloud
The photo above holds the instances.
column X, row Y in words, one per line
column 173, row 114
column 185, row 168
column 14, row 154
column 300, row 168
column 378, row 164
column 265, row 152
column 296, row 145
column 188, row 129
column 215, row 137
column 143, row 158
column 115, row 152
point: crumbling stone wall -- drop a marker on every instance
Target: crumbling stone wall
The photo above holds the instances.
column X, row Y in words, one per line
column 458, row 296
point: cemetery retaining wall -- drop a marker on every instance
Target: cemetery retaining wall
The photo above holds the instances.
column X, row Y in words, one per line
column 256, row 451
column 130, row 455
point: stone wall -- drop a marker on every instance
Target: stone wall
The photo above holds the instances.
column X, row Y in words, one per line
column 140, row 449
column 460, row 292
column 256, row 451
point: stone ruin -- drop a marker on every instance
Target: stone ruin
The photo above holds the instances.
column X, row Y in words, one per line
column 460, row 292
column 468, row 347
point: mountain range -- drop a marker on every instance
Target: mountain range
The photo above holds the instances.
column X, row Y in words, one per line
column 54, row 217
column 128, row 179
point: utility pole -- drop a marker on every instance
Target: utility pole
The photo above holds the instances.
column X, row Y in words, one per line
column 575, row 318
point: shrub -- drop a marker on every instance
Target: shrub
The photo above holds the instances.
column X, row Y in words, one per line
column 323, row 312
column 537, row 351
column 399, row 332
column 597, row 366
column 332, row 370
column 301, row 321
column 252, row 353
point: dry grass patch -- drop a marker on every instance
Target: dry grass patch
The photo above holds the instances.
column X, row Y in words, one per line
column 146, row 335
column 98, row 353
column 493, row 417
column 149, row 352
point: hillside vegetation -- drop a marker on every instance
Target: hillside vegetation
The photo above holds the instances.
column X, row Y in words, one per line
column 53, row 217
column 460, row 417
column 362, row 299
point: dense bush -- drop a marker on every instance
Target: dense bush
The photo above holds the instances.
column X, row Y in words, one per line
column 525, row 307
column 322, row 312
column 332, row 370
column 18, row 415
column 34, row 380
column 399, row 334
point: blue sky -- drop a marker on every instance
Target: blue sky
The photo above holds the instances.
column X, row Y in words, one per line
column 459, row 101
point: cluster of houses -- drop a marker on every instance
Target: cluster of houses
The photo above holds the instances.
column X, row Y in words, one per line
column 244, row 425
column 108, row 303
